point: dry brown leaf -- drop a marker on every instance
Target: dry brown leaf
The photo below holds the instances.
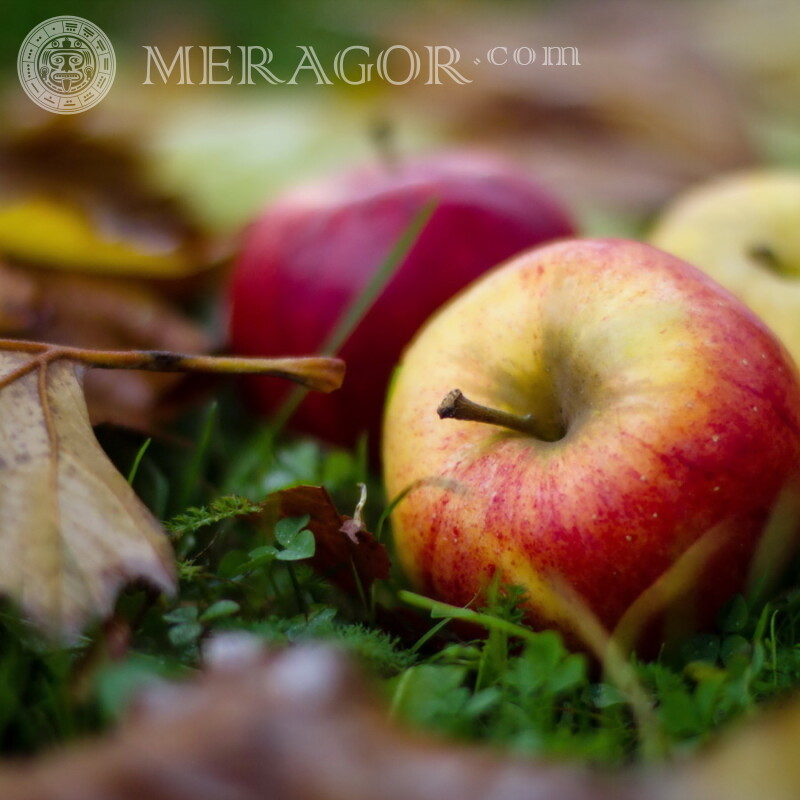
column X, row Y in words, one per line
column 95, row 312
column 72, row 531
column 344, row 549
column 297, row 725
column 99, row 312
column 650, row 108
column 300, row 725
column 18, row 301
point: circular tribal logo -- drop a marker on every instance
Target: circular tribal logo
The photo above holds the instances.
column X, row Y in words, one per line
column 66, row 65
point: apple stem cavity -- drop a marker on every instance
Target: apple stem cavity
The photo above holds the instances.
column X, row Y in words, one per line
column 765, row 257
column 456, row 406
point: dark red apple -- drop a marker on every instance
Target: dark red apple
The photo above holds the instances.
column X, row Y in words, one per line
column 313, row 251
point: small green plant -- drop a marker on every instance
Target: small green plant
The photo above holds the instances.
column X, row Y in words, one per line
column 475, row 674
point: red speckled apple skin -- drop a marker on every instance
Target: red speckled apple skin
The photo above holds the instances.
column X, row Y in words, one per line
column 681, row 414
column 313, row 252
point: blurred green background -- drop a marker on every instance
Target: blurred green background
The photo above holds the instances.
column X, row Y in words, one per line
column 130, row 24
column 667, row 94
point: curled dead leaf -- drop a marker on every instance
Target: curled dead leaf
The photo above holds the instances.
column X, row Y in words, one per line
column 72, row 531
column 346, row 554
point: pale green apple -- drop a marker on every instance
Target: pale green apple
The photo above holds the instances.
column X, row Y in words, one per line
column 744, row 231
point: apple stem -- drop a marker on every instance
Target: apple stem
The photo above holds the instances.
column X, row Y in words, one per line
column 456, row 406
column 385, row 143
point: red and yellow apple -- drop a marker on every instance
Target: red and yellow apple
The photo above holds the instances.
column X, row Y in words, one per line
column 744, row 231
column 315, row 249
column 621, row 412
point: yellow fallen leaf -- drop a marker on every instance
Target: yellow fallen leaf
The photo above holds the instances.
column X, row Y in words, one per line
column 49, row 231
column 73, row 199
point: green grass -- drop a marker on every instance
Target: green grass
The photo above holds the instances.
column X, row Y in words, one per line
column 494, row 680
column 514, row 688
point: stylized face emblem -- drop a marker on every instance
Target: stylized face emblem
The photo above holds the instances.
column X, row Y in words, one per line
column 66, row 64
